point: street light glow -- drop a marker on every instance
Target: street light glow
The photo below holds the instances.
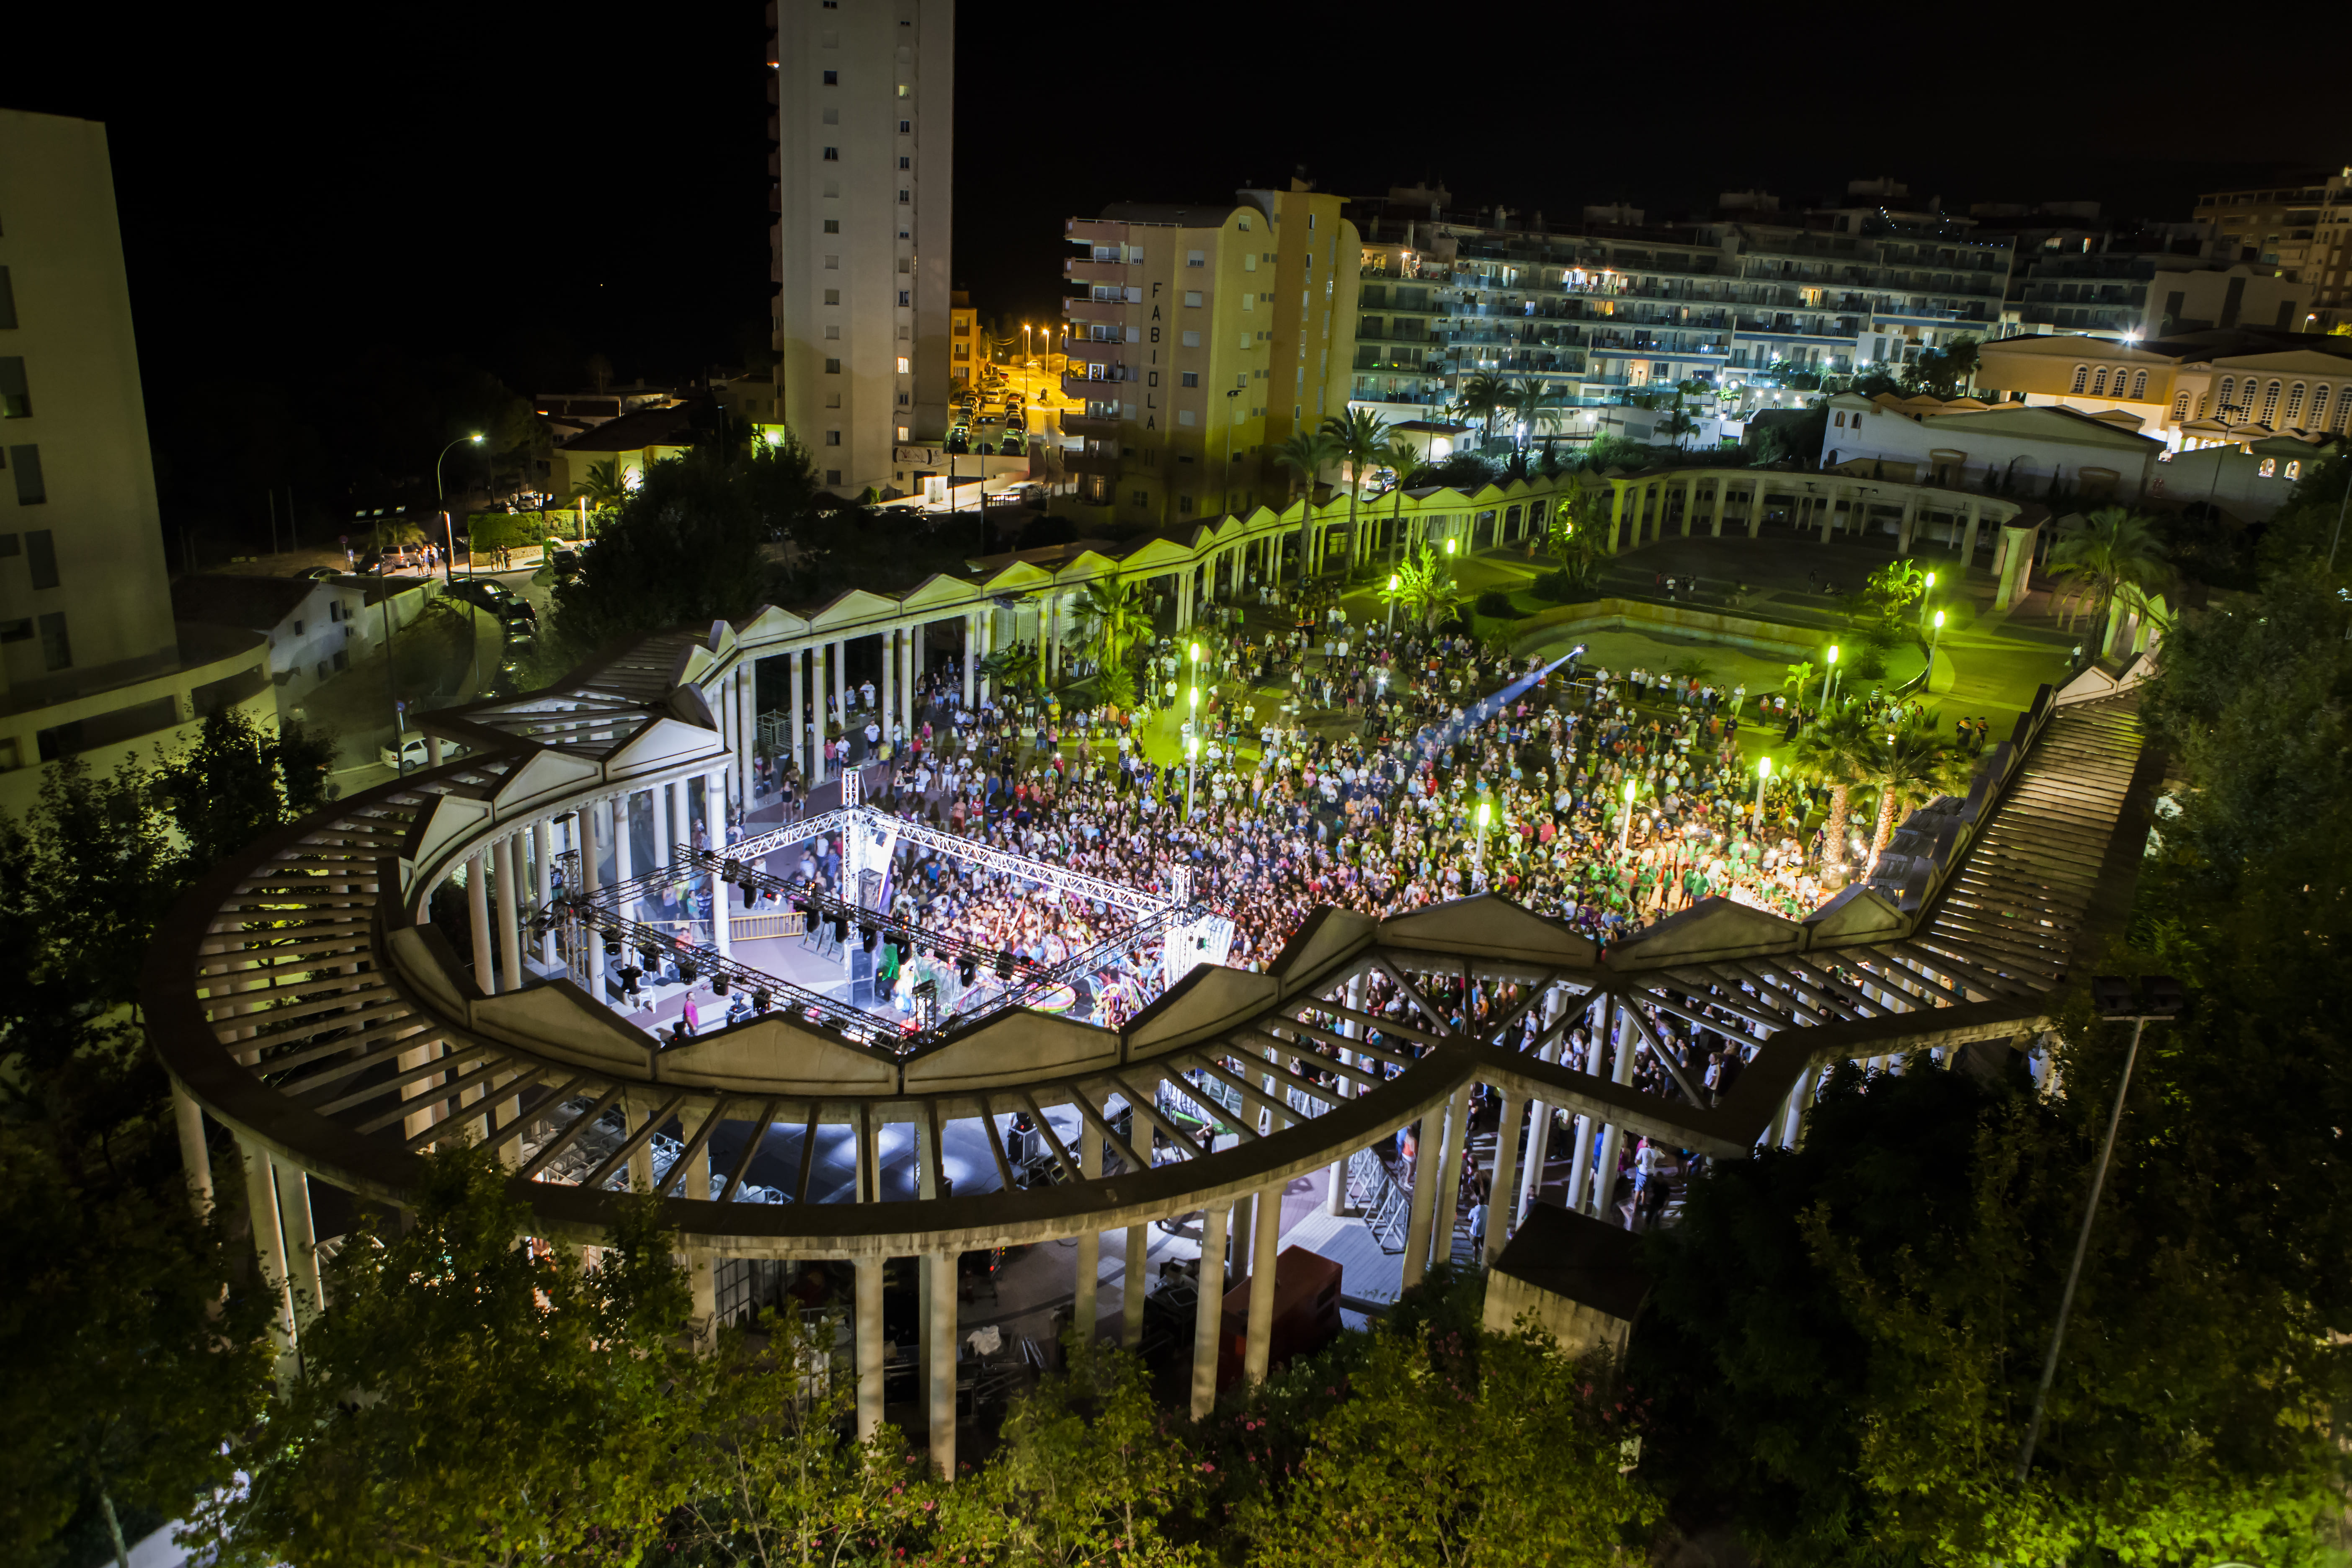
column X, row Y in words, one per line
column 1939, row 620
column 1764, row 767
column 1833, row 653
column 1396, row 581
column 475, row 439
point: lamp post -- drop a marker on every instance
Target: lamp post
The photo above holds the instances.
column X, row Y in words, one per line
column 1626, row 828
column 2159, row 1000
column 1922, row 598
column 1192, row 766
column 1478, row 861
column 1763, row 772
column 1396, row 581
column 448, row 531
column 1934, row 640
column 1830, row 693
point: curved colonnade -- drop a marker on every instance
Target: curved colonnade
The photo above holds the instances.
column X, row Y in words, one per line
column 304, row 998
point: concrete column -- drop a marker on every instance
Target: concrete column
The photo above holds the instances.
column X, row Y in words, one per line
column 542, row 880
column 1690, row 508
column 1090, row 1260
column 269, row 1248
column 970, row 656
column 1259, row 1347
column 1613, row 1140
column 869, row 1346
column 695, row 1183
column 796, row 736
column 1755, row 508
column 914, row 677
column 625, row 846
column 1428, row 1170
column 1208, row 1311
column 886, row 691
column 638, row 1110
column 1969, row 539
column 1506, row 1173
column 1335, row 1198
column 1539, row 1113
column 1910, row 522
column 1828, row 514
column 300, row 1240
column 714, row 808
column 702, row 1279
column 196, row 1159
column 941, row 1301
column 1138, row 1286
column 1449, row 1190
column 1715, row 526
column 836, row 655
column 1616, row 515
column 1800, row 1099
column 585, row 836
column 508, row 852
column 478, row 906
column 1245, row 1228
column 432, row 750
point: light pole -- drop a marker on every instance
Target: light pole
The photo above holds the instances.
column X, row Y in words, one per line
column 1934, row 640
column 448, row 531
column 1830, row 693
column 1763, row 772
column 1922, row 598
column 1626, row 828
column 1192, row 766
column 2159, row 1000
column 1396, row 581
column 1478, row 861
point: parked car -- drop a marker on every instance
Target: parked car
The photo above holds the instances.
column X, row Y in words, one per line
column 412, row 751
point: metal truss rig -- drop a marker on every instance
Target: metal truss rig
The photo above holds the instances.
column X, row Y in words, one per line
column 1071, row 884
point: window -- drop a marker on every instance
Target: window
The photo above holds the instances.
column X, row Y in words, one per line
column 906, row 163
column 27, row 461
column 832, row 225
column 41, row 557
column 57, row 648
column 833, row 367
column 833, row 78
column 832, row 334
column 1246, row 340
column 1191, row 378
column 17, row 630
column 832, row 296
column 2082, row 378
column 2229, row 385
column 1241, row 380
column 2139, row 386
column 833, row 155
column 905, row 297
column 1192, row 298
column 2294, row 468
column 2181, row 407
column 2319, row 409
column 1191, row 339
column 2269, row 403
column 16, row 403
column 906, row 197
column 833, row 264
column 903, row 91
column 1184, row 505
column 1196, row 259
column 902, row 432
column 833, row 437
column 1141, row 497
column 1184, row 417
column 1243, row 225
column 833, row 475
column 2293, row 397
column 2269, row 470
column 1249, row 261
column 2099, row 383
column 906, row 365
column 906, row 127
column 1310, row 220
column 7, row 300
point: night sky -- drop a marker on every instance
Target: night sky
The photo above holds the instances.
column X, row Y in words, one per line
column 516, row 187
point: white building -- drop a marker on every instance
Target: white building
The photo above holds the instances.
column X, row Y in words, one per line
column 2012, row 448
column 91, row 664
column 864, row 126
column 313, row 627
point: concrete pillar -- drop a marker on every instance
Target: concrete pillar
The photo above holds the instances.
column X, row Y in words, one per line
column 269, row 1249
column 1715, row 526
column 1449, row 1190
column 1616, row 515
column 1335, row 1198
column 1613, row 1141
column 1969, row 539
column 585, row 836
column 941, row 1302
column 796, row 739
column 1259, row 1347
column 1208, row 1311
column 300, row 1241
column 837, row 656
column 1428, row 1170
column 1138, row 1286
column 1505, row 1179
column 1245, row 1228
column 638, row 1110
column 915, row 659
column 196, row 1159
column 624, row 837
column 1910, row 522
column 1755, row 508
column 702, row 1279
column 543, row 881
column 970, row 656
column 478, row 907
column 1089, row 1250
column 1828, row 514
column 716, row 814
column 886, row 691
column 869, row 1346
column 1690, row 510
column 432, row 750
column 507, row 851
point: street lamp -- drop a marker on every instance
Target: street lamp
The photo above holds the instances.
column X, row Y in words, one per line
column 1763, row 772
column 1396, row 581
column 1935, row 639
column 1625, row 830
column 2160, row 1000
column 448, row 532
column 1829, row 694
column 1478, row 863
column 1192, row 764
column 1923, row 597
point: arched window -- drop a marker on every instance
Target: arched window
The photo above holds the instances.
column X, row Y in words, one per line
column 2139, row 386
column 2293, row 402
column 2179, row 407
column 2319, row 406
column 2269, row 468
column 2229, row 404
column 2099, row 383
column 2270, row 404
column 2081, row 377
column 2295, row 467
column 2342, row 407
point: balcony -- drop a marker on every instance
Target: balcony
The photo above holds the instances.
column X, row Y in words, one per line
column 1096, row 425
column 1105, row 463
column 1103, row 388
column 1095, row 274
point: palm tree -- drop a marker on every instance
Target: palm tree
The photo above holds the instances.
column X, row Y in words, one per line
column 1535, row 406
column 1908, row 762
column 1307, row 454
column 1837, row 753
column 604, row 489
column 1015, row 668
column 1398, row 455
column 2115, row 557
column 1361, row 436
column 1800, row 677
column 1479, row 398
column 1424, row 586
column 1112, row 619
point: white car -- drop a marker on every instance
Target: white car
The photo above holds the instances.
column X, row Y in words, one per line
column 413, row 755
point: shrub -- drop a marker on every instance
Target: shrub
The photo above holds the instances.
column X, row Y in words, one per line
column 1497, row 604
column 1553, row 587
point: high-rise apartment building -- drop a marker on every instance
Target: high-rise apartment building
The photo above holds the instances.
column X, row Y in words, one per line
column 1613, row 303
column 2302, row 227
column 1201, row 338
column 863, row 119
column 91, row 662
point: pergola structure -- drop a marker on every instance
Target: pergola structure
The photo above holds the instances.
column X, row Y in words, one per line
column 302, row 997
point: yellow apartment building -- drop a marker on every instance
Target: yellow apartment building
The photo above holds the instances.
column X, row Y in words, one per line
column 2194, row 390
column 1199, row 339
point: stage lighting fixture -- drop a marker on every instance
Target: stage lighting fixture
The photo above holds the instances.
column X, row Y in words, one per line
column 1005, row 966
column 760, row 1000
column 718, row 983
column 687, row 971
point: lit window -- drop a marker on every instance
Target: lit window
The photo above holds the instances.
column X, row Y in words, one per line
column 903, row 91
column 2294, row 468
column 905, row 366
column 2269, row 468
column 902, row 432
